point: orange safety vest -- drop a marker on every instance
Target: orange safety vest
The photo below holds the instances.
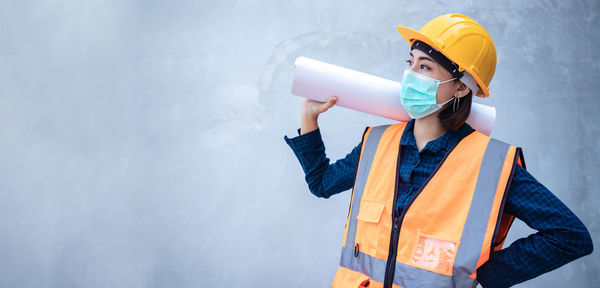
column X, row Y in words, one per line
column 448, row 229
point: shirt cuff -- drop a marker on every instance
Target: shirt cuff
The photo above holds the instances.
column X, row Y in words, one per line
column 305, row 142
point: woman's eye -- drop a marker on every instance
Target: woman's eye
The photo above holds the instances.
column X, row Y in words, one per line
column 424, row 67
column 408, row 62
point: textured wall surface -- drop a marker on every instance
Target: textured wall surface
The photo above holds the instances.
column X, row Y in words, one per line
column 141, row 142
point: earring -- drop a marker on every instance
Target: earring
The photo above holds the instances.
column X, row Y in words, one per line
column 455, row 104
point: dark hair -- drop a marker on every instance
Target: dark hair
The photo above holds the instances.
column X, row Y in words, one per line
column 452, row 120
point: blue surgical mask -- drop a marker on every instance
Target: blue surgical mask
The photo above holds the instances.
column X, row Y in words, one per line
column 418, row 94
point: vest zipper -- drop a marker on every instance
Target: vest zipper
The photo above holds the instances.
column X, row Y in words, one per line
column 390, row 267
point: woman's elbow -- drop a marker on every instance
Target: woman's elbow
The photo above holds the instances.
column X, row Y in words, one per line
column 316, row 188
column 319, row 193
column 580, row 242
column 586, row 243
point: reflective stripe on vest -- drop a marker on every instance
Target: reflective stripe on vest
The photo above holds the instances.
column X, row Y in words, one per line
column 429, row 254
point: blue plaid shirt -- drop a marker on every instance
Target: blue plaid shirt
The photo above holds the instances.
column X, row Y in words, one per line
column 561, row 236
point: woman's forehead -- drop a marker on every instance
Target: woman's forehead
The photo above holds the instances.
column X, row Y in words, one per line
column 417, row 53
column 420, row 55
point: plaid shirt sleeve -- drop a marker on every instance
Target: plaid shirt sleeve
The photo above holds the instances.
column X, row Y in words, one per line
column 323, row 179
column 561, row 236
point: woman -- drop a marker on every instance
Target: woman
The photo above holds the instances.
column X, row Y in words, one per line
column 433, row 199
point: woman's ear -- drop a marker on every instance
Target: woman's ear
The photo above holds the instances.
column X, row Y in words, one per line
column 462, row 90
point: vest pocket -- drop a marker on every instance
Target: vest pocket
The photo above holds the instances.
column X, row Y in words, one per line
column 368, row 225
column 434, row 254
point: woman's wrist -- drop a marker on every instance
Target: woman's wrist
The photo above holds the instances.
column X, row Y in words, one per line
column 309, row 123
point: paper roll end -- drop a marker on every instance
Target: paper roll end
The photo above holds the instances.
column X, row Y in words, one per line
column 299, row 59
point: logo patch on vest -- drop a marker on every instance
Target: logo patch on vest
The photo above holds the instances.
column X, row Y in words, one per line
column 434, row 254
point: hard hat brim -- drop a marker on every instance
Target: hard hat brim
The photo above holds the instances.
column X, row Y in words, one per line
column 411, row 35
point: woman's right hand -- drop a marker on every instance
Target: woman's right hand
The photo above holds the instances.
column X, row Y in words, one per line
column 310, row 113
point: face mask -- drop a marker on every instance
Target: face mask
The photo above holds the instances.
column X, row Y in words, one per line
column 418, row 94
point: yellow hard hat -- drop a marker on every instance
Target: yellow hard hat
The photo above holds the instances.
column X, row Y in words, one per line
column 464, row 42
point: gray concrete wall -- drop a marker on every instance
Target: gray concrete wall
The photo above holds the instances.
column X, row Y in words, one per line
column 141, row 142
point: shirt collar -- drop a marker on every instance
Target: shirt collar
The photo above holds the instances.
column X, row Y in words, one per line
column 449, row 139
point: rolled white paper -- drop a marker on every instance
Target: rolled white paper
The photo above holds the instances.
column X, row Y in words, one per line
column 363, row 92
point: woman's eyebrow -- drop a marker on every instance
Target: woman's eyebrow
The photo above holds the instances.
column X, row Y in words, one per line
column 422, row 58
